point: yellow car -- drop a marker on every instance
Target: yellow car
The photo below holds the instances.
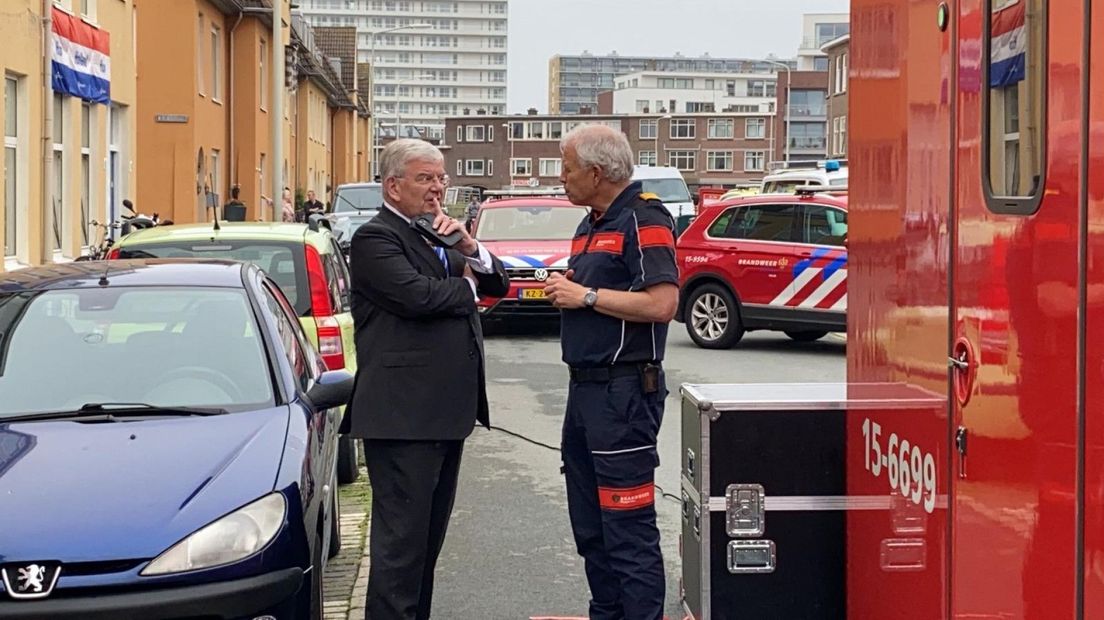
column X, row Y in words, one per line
column 304, row 260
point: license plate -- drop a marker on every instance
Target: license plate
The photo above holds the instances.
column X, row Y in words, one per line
column 531, row 293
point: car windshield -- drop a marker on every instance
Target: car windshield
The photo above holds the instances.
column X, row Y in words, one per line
column 283, row 262
column 163, row 346
column 354, row 199
column 668, row 190
column 529, row 223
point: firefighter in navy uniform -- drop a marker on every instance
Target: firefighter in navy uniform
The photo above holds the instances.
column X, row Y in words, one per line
column 619, row 294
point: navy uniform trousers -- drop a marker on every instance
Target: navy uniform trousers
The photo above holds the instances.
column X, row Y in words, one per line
column 609, row 457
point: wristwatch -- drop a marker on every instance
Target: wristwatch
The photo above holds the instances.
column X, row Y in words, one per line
column 590, row 298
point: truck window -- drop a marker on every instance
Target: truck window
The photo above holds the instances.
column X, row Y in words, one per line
column 1015, row 104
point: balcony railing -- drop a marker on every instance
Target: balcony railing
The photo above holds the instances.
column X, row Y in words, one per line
column 809, row 144
column 806, row 110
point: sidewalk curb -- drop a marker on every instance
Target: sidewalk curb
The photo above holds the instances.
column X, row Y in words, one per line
column 346, row 576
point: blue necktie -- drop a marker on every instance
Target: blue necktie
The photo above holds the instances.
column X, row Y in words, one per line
column 440, row 252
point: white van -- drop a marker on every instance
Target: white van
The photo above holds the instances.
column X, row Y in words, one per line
column 668, row 184
column 829, row 173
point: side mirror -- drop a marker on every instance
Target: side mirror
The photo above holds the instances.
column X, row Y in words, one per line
column 696, row 198
column 332, row 389
column 316, row 221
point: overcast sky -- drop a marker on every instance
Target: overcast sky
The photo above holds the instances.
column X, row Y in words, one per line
column 540, row 29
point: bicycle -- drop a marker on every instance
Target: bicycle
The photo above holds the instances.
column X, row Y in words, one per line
column 100, row 250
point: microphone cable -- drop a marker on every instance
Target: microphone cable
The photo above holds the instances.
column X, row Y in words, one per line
column 555, row 449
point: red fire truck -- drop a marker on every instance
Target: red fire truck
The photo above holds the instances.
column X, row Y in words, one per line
column 977, row 274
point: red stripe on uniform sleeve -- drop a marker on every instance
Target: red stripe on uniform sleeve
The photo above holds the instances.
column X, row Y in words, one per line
column 626, row 499
column 577, row 244
column 653, row 236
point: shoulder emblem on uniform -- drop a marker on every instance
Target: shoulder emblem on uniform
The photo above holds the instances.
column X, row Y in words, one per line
column 648, row 196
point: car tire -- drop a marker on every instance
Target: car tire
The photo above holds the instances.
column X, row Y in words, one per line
column 712, row 317
column 335, row 524
column 806, row 336
column 348, row 462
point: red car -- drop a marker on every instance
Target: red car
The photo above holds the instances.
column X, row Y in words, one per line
column 776, row 262
column 532, row 236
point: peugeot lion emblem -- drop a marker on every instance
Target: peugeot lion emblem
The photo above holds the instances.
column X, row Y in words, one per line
column 35, row 580
column 541, row 274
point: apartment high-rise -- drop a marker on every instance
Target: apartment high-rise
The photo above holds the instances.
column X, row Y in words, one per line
column 574, row 81
column 433, row 59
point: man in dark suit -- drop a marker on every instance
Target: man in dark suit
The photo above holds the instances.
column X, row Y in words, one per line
column 420, row 377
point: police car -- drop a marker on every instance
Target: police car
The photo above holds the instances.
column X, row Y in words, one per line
column 773, row 262
column 531, row 232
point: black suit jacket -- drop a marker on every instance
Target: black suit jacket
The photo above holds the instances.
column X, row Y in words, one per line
column 419, row 341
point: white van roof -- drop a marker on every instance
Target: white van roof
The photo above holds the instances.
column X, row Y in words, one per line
column 655, row 172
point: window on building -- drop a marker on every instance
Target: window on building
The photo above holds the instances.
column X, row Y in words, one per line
column 216, row 63
column 700, row 106
column 459, row 167
column 555, row 130
column 1016, row 102
column 200, row 86
column 490, row 133
column 648, row 129
column 536, row 131
column 755, row 128
column 718, row 161
column 117, row 140
column 641, row 106
column 87, row 196
column 843, row 136
column 88, row 9
column 216, row 178
column 459, row 133
column 521, row 167
column 263, row 75
column 828, row 32
column 685, row 161
column 730, row 88
column 808, row 102
column 754, row 161
column 646, row 158
column 57, row 213
column 475, row 167
column 820, row 63
column 476, row 133
column 683, row 128
column 550, row 167
column 722, row 128
column 11, row 160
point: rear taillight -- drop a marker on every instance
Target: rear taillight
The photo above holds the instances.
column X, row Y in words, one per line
column 329, row 342
column 113, row 254
column 329, row 330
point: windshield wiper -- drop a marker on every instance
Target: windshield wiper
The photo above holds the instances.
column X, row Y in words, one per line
column 111, row 411
column 141, row 408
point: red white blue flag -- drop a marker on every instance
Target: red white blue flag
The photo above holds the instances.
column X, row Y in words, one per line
column 81, row 65
column 1007, row 46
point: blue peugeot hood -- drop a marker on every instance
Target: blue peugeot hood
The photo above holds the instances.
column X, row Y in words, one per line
column 85, row 492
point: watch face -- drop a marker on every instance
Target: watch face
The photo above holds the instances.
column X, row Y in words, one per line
column 590, row 298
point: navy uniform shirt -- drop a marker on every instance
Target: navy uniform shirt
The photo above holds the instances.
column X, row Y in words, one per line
column 628, row 248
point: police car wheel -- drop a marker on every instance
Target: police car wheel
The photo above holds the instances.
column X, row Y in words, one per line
column 806, row 336
column 713, row 318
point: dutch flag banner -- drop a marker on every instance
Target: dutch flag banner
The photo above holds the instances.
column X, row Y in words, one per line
column 81, row 65
column 1008, row 46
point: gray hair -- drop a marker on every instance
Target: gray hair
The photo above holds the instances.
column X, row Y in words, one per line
column 396, row 156
column 602, row 146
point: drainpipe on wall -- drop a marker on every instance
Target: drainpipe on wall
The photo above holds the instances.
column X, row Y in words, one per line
column 230, row 104
column 45, row 253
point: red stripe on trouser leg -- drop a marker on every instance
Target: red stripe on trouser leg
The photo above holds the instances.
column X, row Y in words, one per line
column 626, row 499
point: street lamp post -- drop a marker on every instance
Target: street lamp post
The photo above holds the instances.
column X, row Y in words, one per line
column 510, row 164
column 372, row 87
column 786, row 111
column 665, row 116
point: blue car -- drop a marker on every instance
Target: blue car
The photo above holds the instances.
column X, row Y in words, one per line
column 168, row 444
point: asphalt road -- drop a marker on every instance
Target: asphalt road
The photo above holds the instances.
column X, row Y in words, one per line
column 509, row 552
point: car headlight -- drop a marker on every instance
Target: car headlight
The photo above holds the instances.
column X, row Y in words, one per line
column 236, row 536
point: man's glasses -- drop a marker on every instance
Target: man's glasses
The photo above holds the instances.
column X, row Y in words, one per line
column 428, row 179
